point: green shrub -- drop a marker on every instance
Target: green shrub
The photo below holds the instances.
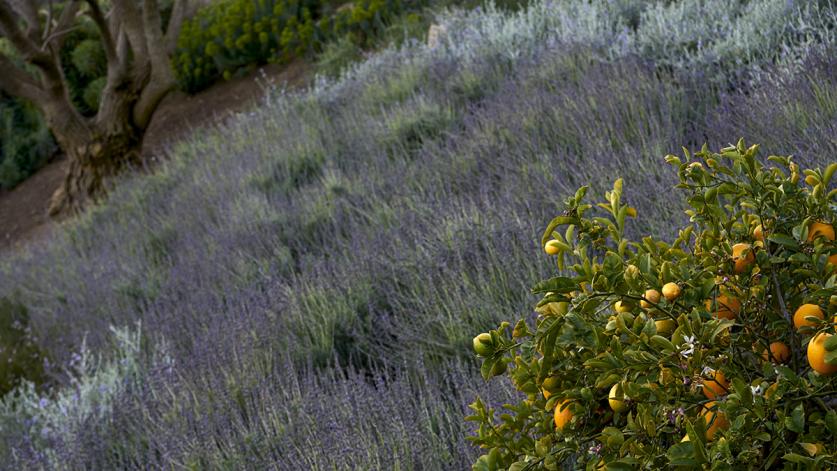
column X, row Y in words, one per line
column 20, row 358
column 25, row 142
column 227, row 35
column 714, row 351
column 93, row 92
column 337, row 55
column 89, row 58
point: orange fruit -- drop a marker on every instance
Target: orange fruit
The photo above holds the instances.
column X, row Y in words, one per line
column 715, row 384
column 779, row 352
column 726, row 307
column 820, row 229
column 758, row 233
column 742, row 261
column 816, row 355
column 563, row 414
column 671, row 291
column 653, row 296
column 715, row 421
column 832, row 260
column 804, row 311
column 552, row 247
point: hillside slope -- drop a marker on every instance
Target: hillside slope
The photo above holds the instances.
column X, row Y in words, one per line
column 307, row 278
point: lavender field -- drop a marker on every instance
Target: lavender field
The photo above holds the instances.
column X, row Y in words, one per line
column 298, row 288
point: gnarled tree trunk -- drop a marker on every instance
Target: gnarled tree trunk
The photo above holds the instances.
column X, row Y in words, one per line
column 139, row 75
column 91, row 164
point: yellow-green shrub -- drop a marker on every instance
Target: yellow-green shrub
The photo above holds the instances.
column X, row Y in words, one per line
column 230, row 34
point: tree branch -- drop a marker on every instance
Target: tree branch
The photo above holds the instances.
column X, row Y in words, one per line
column 107, row 38
column 29, row 12
column 19, row 83
column 24, row 45
column 128, row 16
column 179, row 12
column 162, row 78
column 55, row 34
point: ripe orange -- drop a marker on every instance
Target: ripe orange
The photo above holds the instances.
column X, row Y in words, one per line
column 758, row 233
column 742, row 261
column 715, row 421
column 832, row 260
column 726, row 307
column 671, row 291
column 820, row 229
column 653, row 296
column 779, row 352
column 551, row 247
column 816, row 355
column 715, row 384
column 804, row 311
column 563, row 415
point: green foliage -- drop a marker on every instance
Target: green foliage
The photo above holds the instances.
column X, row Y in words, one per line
column 630, row 376
column 84, row 63
column 25, row 142
column 89, row 58
column 20, row 358
column 93, row 92
column 337, row 55
column 230, row 34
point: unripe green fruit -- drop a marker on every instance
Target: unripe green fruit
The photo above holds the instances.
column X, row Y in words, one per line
column 483, row 344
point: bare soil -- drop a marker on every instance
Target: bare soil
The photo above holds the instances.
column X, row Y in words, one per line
column 23, row 210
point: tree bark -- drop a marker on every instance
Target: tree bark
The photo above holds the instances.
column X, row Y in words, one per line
column 92, row 163
column 139, row 75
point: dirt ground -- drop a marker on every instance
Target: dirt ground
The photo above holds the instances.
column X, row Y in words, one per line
column 23, row 215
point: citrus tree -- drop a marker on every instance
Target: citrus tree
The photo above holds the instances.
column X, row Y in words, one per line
column 714, row 351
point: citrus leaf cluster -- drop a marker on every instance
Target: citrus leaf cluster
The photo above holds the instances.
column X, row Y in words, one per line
column 713, row 351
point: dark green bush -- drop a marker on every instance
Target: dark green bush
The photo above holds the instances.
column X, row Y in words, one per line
column 20, row 358
column 25, row 142
column 230, row 34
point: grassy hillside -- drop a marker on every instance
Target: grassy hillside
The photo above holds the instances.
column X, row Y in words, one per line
column 299, row 288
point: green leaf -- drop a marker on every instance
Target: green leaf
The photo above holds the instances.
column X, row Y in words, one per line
column 743, row 390
column 831, row 343
column 782, row 239
column 621, row 465
column 682, row 454
column 696, row 438
column 795, row 458
column 558, row 221
column 662, row 343
column 559, row 284
column 829, row 171
column 831, row 421
column 831, row 357
column 796, row 421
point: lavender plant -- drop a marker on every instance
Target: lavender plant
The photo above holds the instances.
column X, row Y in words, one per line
column 319, row 263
